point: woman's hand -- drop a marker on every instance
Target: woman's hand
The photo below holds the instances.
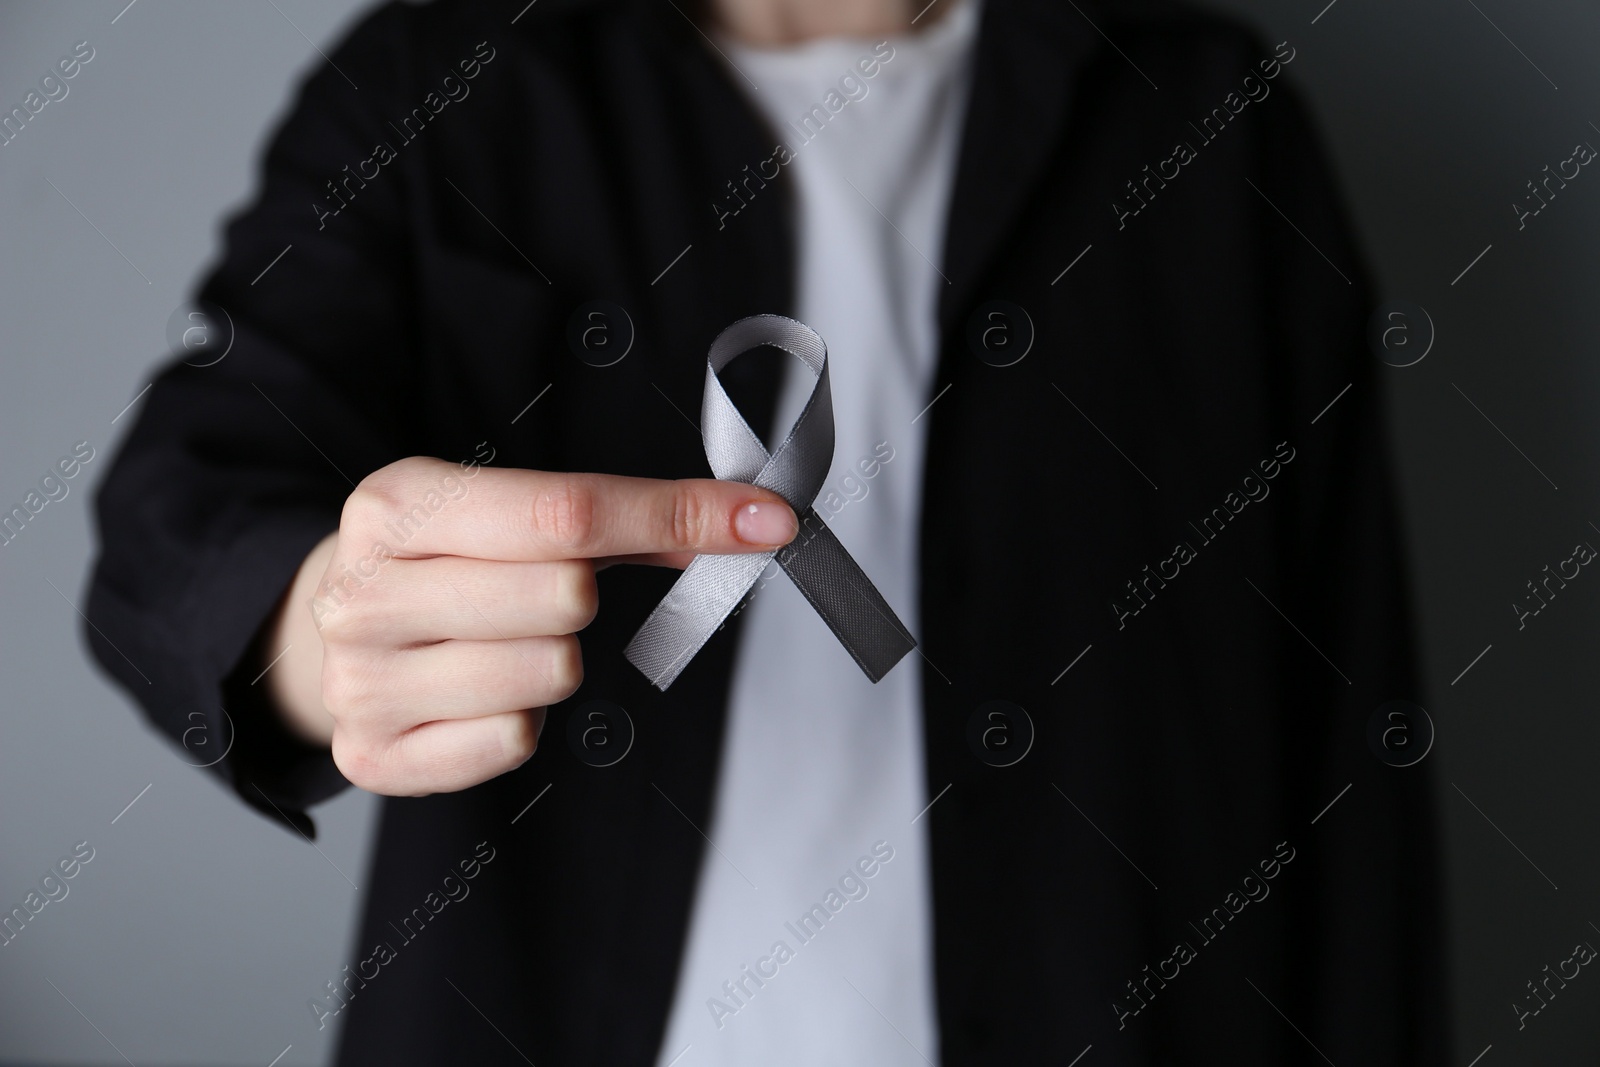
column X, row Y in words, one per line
column 428, row 635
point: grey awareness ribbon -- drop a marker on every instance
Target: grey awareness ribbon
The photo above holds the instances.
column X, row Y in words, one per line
column 712, row 586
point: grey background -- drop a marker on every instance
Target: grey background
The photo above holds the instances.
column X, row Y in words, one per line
column 198, row 931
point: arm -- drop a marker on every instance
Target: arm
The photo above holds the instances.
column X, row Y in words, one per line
column 240, row 584
column 234, row 472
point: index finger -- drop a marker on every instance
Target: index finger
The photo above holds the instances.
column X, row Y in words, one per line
column 428, row 507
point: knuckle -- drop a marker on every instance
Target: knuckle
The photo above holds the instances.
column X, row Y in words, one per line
column 339, row 691
column 368, row 507
column 347, row 689
column 566, row 666
column 688, row 517
column 564, row 514
column 578, row 598
column 359, row 761
column 350, row 616
column 522, row 736
column 405, row 473
column 331, row 625
column 324, row 606
column 382, row 495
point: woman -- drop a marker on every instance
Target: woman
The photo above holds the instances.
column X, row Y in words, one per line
column 1079, row 363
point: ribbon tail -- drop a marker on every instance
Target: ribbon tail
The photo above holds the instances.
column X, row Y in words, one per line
column 845, row 597
column 696, row 605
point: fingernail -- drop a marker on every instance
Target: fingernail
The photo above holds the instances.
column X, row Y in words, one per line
column 765, row 523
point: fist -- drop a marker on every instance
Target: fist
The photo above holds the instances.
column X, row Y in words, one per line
column 450, row 606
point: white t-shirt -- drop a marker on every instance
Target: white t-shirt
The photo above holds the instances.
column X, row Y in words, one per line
column 823, row 772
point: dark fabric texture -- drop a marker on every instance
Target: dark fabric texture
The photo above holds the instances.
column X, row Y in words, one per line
column 1195, row 740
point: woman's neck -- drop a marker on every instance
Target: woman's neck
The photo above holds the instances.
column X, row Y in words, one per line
column 773, row 23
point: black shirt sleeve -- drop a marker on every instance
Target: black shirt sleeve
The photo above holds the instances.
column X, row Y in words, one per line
column 238, row 466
